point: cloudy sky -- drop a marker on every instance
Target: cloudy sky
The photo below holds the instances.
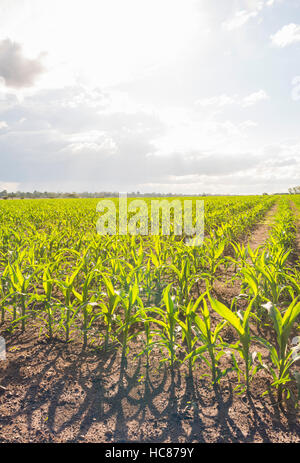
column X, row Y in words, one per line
column 184, row 96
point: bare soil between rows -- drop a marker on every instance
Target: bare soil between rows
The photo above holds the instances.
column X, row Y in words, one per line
column 262, row 229
column 296, row 253
column 56, row 392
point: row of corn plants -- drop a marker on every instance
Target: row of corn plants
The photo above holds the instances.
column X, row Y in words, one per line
column 271, row 282
column 58, row 275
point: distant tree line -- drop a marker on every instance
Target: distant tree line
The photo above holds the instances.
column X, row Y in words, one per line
column 295, row 190
column 103, row 194
column 108, row 194
column 36, row 194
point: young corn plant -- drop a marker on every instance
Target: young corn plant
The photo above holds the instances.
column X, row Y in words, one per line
column 241, row 254
column 86, row 304
column 129, row 303
column 271, row 282
column 263, row 279
column 6, row 292
column 144, row 316
column 20, row 285
column 294, row 283
column 126, row 274
column 67, row 287
column 157, row 262
column 2, row 297
column 212, row 258
column 108, row 308
column 137, row 254
column 282, row 358
column 168, row 324
column 209, row 338
column 185, row 280
column 148, row 281
column 241, row 326
column 48, row 283
column 188, row 331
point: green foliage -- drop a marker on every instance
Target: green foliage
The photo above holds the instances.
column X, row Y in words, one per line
column 58, row 274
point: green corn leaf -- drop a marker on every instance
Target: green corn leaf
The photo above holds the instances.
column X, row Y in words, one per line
column 277, row 320
column 247, row 314
column 78, row 295
column 226, row 313
column 201, row 325
column 198, row 351
column 290, row 315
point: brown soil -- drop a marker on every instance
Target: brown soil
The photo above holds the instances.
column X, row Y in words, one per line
column 53, row 392
column 296, row 255
column 262, row 229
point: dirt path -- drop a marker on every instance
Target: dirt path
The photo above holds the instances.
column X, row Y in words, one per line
column 224, row 288
column 296, row 254
column 260, row 235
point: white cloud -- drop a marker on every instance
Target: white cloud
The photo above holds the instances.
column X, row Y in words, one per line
column 239, row 19
column 220, row 100
column 242, row 17
column 9, row 186
column 94, row 141
column 254, row 98
column 226, row 100
column 248, row 125
column 287, row 35
column 3, row 125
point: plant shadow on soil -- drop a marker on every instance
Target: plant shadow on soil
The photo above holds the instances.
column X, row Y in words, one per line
column 53, row 392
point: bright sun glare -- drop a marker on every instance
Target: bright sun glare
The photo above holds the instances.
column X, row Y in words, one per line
column 108, row 41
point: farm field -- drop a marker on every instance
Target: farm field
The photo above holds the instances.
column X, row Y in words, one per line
column 145, row 339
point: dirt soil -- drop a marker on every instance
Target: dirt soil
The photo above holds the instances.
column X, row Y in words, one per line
column 262, row 229
column 53, row 392
column 296, row 254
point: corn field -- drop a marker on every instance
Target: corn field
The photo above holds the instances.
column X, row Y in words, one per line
column 62, row 280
